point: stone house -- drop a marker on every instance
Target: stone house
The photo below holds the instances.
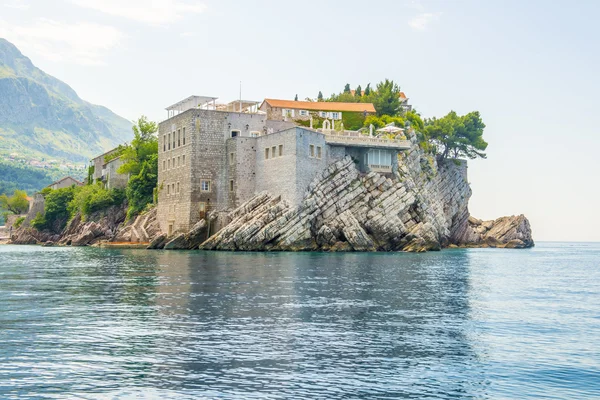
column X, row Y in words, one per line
column 214, row 160
column 285, row 110
column 65, row 182
column 106, row 171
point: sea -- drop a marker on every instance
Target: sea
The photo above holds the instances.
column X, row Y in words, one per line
column 90, row 323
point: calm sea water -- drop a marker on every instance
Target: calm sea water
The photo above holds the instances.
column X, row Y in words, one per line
column 95, row 324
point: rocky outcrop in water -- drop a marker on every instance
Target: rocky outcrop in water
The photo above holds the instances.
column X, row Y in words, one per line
column 422, row 207
column 507, row 232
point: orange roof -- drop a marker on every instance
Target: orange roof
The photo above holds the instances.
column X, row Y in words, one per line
column 321, row 105
column 402, row 95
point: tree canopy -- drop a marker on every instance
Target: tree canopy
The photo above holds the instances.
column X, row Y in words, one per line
column 457, row 136
column 16, row 204
column 143, row 146
column 387, row 98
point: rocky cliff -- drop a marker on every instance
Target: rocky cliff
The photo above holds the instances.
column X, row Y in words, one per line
column 422, row 207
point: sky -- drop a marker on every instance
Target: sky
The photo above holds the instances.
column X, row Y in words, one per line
column 530, row 68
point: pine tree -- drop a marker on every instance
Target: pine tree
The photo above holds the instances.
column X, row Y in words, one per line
column 320, row 96
column 296, row 98
column 358, row 91
column 368, row 90
column 347, row 88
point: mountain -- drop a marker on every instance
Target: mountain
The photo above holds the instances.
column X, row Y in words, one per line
column 43, row 118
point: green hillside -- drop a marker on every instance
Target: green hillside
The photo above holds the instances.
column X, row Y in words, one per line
column 42, row 118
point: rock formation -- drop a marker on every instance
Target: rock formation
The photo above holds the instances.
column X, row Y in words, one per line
column 422, row 207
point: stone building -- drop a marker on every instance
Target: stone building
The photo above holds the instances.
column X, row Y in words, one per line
column 214, row 160
column 284, row 110
column 105, row 170
column 65, row 182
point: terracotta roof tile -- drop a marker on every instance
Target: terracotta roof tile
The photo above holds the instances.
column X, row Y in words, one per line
column 321, row 105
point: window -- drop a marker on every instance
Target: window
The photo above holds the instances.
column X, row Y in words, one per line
column 335, row 115
column 169, row 163
column 178, row 137
column 280, row 150
column 322, row 114
column 173, row 163
column 205, row 186
column 164, row 165
column 231, row 185
column 231, row 158
column 273, row 150
column 183, row 159
column 173, row 139
column 202, row 210
column 183, row 142
column 173, row 188
column 178, row 161
column 164, row 142
column 311, row 150
column 168, row 189
column 235, row 133
column 177, row 187
column 169, row 141
column 267, row 153
column 379, row 157
column 254, row 134
column 319, row 152
column 303, row 113
column 287, row 112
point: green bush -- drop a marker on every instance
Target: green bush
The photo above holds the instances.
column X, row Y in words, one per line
column 18, row 222
column 140, row 189
column 56, row 210
column 92, row 198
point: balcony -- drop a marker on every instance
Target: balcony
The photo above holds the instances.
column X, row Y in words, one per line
column 356, row 139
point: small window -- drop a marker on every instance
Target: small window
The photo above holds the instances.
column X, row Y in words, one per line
column 311, row 150
column 177, row 187
column 205, row 186
column 231, row 158
column 303, row 113
column 267, row 153
column 273, row 151
column 178, row 161
column 164, row 142
column 178, row 137
column 335, row 115
column 231, row 185
column 173, row 163
column 254, row 134
column 169, row 161
column 173, row 139
column 280, row 150
column 183, row 141
column 169, row 141
column 164, row 165
column 235, row 133
column 318, row 151
column 173, row 188
column 322, row 114
column 168, row 190
column 183, row 159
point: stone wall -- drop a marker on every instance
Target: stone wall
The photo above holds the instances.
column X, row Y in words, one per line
column 115, row 180
column 206, row 159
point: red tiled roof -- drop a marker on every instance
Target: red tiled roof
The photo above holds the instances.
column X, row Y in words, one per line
column 321, row 105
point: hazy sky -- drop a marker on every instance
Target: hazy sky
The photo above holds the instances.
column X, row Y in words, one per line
column 530, row 67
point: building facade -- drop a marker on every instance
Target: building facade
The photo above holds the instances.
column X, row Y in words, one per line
column 214, row 161
column 106, row 171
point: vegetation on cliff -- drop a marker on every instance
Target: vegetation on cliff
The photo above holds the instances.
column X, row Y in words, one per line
column 140, row 162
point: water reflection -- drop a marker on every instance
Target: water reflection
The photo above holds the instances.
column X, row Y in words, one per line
column 94, row 323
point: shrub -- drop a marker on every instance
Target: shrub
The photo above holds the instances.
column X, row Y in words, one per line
column 18, row 222
column 92, row 198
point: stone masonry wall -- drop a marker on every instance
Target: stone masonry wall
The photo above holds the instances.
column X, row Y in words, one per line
column 181, row 195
